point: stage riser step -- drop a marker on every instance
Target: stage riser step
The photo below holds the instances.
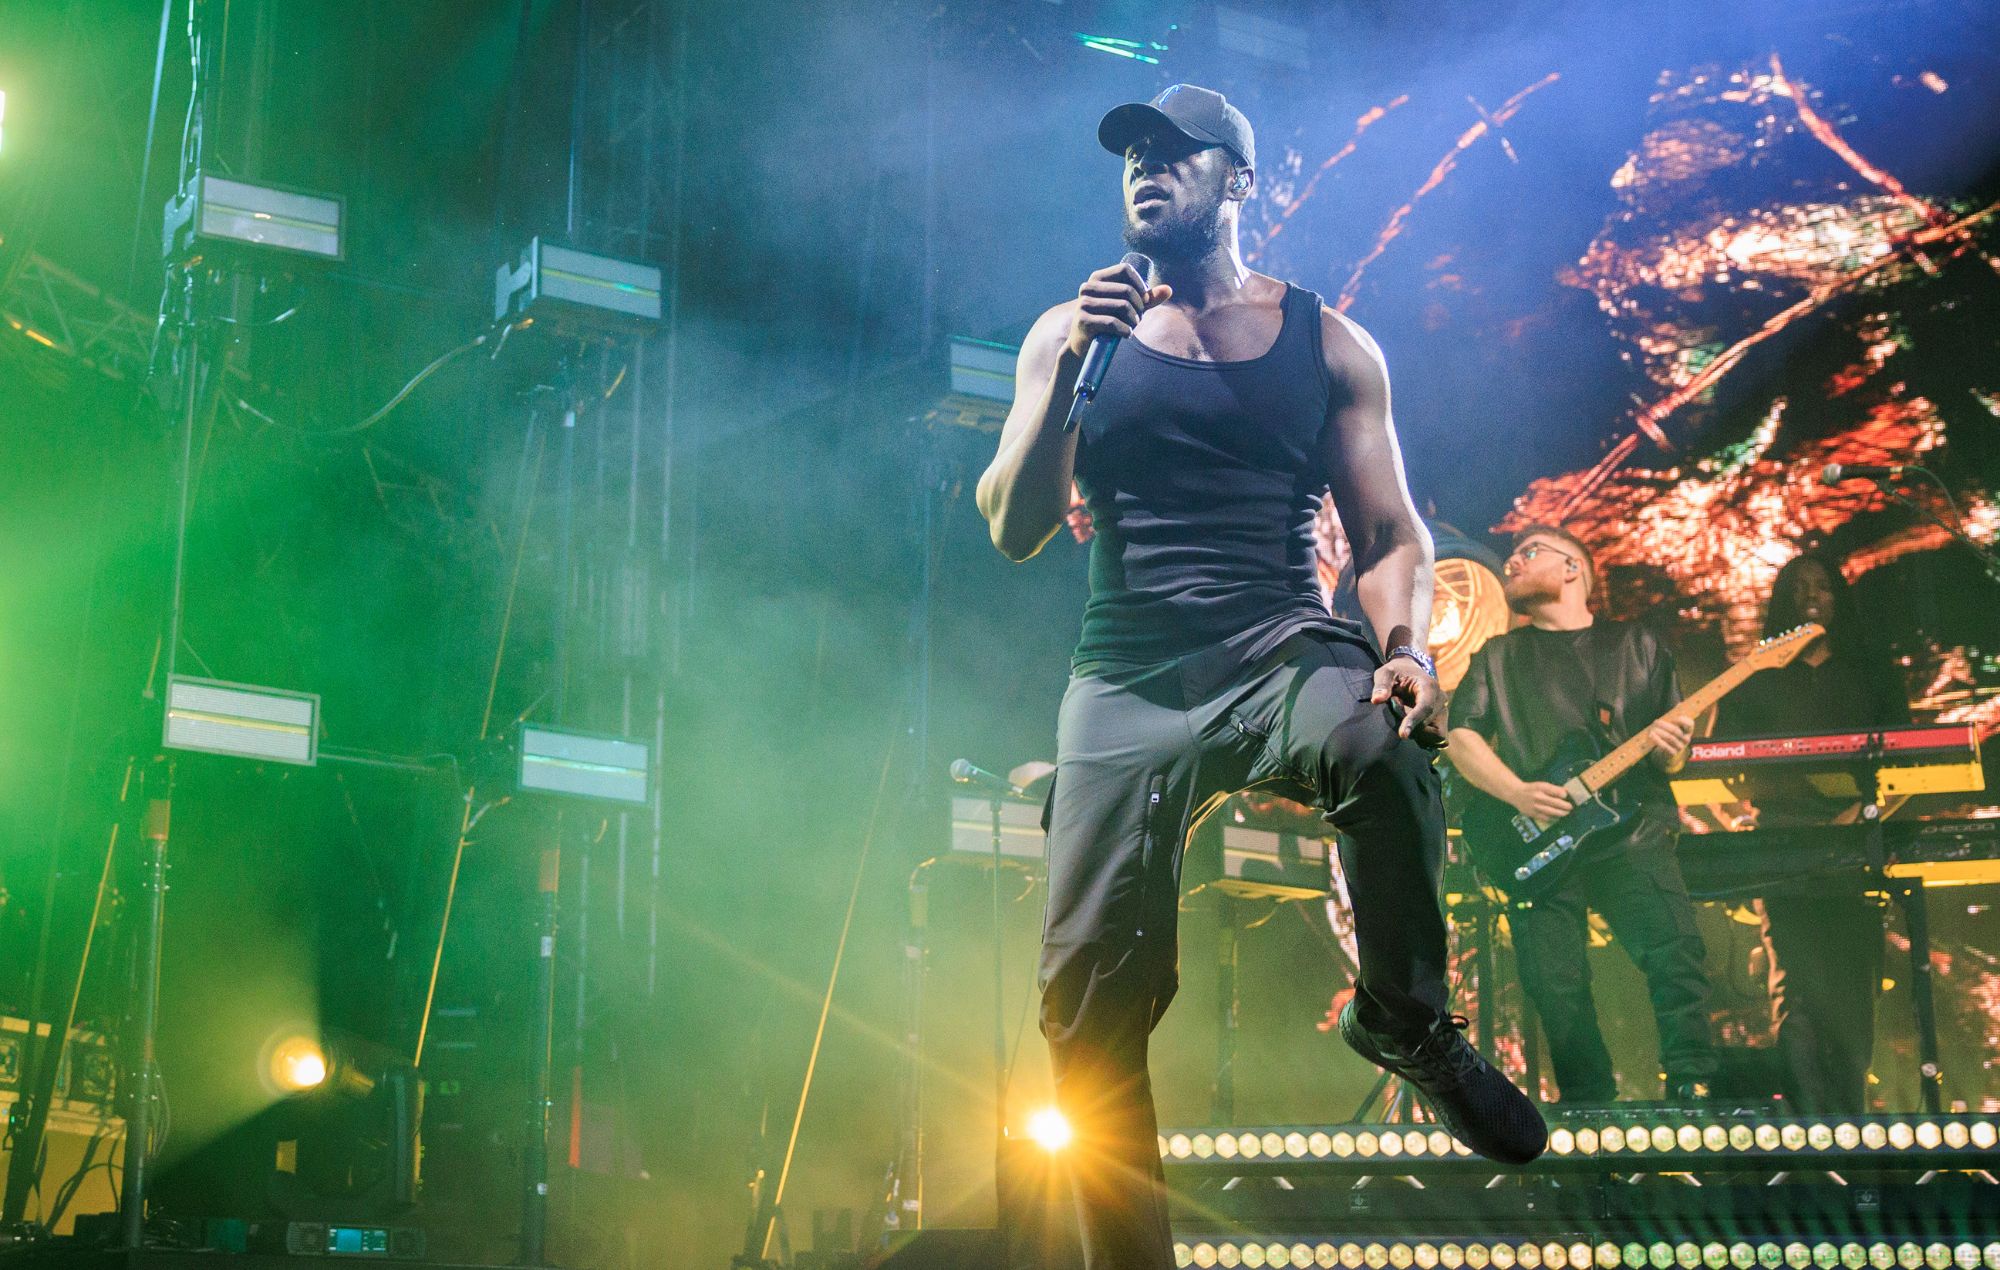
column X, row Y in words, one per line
column 1949, row 1208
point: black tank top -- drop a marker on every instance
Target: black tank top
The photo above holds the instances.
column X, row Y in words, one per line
column 1202, row 479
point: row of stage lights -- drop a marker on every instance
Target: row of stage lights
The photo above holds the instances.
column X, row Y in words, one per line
column 1530, row 1255
column 1715, row 1138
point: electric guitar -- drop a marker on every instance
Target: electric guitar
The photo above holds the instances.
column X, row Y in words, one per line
column 1524, row 857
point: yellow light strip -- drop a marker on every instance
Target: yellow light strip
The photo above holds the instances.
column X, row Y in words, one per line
column 1652, row 1138
column 237, row 721
column 1291, row 1253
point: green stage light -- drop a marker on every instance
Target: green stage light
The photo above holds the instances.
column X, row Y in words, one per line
column 214, row 214
column 238, row 719
column 1136, row 50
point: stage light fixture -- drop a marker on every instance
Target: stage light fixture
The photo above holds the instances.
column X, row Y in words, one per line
column 585, row 766
column 1583, row 1141
column 221, row 214
column 213, row 717
column 296, row 1064
column 982, row 369
column 1050, row 1129
column 1351, row 1254
column 577, row 290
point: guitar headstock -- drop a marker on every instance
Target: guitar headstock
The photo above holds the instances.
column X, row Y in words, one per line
column 1780, row 649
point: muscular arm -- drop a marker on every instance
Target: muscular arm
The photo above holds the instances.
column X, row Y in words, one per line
column 1025, row 490
column 1393, row 555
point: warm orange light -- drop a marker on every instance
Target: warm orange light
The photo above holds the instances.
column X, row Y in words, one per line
column 297, row 1064
column 1050, row 1129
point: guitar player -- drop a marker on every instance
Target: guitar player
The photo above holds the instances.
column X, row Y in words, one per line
column 1566, row 672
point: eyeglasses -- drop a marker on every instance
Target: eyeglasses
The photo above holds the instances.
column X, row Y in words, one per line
column 1528, row 553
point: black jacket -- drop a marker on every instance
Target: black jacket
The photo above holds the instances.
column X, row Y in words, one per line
column 1528, row 688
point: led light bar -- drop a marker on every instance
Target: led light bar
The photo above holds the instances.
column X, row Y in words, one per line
column 983, row 369
column 224, row 718
column 1021, row 836
column 1259, row 863
column 586, row 766
column 1575, row 1252
column 219, row 213
column 578, row 288
column 1665, row 1142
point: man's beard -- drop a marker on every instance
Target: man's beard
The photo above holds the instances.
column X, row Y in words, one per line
column 1523, row 596
column 1188, row 234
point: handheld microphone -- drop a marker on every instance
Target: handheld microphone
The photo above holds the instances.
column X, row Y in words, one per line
column 1835, row 473
column 966, row 774
column 1098, row 359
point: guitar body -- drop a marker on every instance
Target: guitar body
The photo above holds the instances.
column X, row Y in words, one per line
column 1527, row 860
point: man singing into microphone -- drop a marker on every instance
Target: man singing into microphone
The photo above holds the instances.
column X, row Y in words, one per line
column 1208, row 663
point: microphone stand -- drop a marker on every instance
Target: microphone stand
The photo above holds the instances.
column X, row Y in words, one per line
column 994, row 804
column 1989, row 561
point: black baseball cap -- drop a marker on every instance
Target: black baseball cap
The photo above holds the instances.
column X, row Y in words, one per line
column 1201, row 114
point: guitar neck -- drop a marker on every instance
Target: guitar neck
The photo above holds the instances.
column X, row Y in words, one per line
column 1627, row 755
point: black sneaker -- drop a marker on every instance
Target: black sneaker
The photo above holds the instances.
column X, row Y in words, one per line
column 1469, row 1095
column 1690, row 1092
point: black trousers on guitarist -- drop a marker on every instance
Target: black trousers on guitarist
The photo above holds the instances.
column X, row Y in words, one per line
column 1568, row 680
column 1635, row 884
